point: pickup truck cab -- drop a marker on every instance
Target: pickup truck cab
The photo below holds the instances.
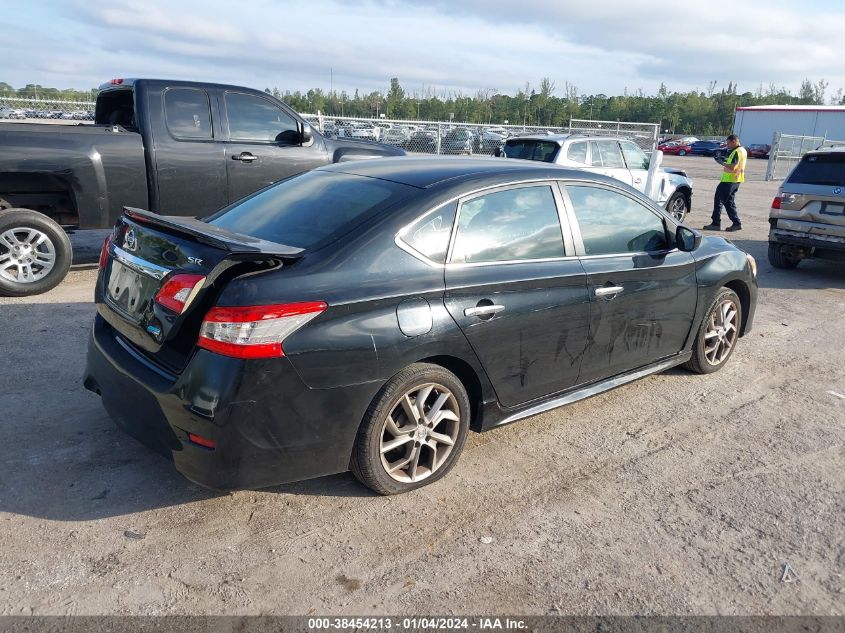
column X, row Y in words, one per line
column 172, row 147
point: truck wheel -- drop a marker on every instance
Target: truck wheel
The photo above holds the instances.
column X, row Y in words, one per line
column 35, row 253
column 677, row 206
column 779, row 259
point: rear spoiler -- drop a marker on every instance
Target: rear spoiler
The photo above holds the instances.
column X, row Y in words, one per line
column 212, row 235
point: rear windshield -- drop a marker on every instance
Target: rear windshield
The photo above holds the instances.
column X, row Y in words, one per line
column 310, row 208
column 820, row 169
column 545, row 151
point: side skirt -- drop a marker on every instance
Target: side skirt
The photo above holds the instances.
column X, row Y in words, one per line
column 591, row 390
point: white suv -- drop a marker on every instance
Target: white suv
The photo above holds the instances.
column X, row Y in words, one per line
column 619, row 158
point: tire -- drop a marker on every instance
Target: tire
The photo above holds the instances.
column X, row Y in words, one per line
column 703, row 360
column 677, row 206
column 425, row 455
column 779, row 259
column 683, row 152
column 33, row 245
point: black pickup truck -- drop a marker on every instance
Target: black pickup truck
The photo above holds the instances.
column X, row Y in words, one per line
column 173, row 147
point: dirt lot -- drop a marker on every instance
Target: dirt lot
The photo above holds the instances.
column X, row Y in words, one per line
column 676, row 494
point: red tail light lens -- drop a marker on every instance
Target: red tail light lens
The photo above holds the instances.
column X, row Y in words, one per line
column 116, row 82
column 776, row 203
column 199, row 440
column 178, row 291
column 255, row 331
column 104, row 253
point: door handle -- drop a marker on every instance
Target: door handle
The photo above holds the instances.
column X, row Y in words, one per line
column 638, row 181
column 245, row 157
column 609, row 291
column 484, row 310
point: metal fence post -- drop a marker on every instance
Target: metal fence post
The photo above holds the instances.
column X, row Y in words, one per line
column 773, row 157
column 439, row 135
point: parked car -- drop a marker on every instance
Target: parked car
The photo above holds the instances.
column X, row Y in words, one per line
column 759, row 150
column 364, row 131
column 807, row 218
column 458, row 141
column 421, row 141
column 676, row 149
column 395, row 135
column 81, row 176
column 489, row 142
column 619, row 158
column 8, row 113
column 367, row 315
column 706, row 148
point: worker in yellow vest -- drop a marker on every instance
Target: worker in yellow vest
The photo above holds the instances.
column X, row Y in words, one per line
column 733, row 173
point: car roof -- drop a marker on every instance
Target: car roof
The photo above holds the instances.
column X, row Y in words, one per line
column 834, row 149
column 427, row 171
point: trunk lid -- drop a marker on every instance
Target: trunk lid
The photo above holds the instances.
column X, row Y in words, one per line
column 147, row 251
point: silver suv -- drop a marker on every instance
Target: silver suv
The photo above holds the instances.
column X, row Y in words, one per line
column 619, row 158
column 807, row 218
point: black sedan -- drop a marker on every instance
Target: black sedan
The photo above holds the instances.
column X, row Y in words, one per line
column 706, row 148
column 367, row 315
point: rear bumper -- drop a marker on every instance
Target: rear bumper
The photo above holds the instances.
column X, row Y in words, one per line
column 823, row 244
column 268, row 426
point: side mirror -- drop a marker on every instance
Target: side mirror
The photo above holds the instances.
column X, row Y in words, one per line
column 686, row 239
column 306, row 135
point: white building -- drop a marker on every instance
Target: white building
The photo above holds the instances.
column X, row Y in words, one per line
column 758, row 124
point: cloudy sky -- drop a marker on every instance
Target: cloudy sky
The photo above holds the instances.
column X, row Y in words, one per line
column 600, row 46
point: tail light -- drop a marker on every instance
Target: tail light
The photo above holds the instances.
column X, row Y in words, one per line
column 199, row 440
column 255, row 331
column 776, row 203
column 104, row 253
column 178, row 292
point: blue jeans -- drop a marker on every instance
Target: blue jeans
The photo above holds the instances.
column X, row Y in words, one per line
column 725, row 193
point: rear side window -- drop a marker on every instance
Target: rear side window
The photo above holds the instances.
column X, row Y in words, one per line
column 253, row 118
column 528, row 149
column 187, row 113
column 515, row 224
column 820, row 169
column 612, row 223
column 430, row 234
column 577, row 152
column 310, row 208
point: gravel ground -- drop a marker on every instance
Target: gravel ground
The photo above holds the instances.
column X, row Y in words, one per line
column 677, row 494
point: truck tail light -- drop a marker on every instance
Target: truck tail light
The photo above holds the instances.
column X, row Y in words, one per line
column 178, row 292
column 255, row 331
column 776, row 203
column 116, row 82
column 104, row 253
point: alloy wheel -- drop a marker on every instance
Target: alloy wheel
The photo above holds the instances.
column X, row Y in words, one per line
column 722, row 330
column 419, row 433
column 678, row 208
column 27, row 255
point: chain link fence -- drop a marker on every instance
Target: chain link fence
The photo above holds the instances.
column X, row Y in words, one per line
column 428, row 137
column 451, row 137
column 45, row 110
column 643, row 134
column 787, row 150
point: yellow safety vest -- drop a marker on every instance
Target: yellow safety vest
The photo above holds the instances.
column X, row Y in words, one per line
column 738, row 156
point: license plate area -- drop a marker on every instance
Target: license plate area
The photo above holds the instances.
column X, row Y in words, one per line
column 833, row 208
column 129, row 292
